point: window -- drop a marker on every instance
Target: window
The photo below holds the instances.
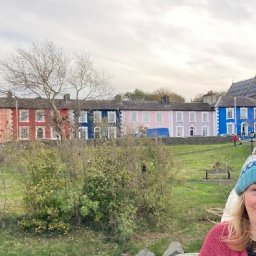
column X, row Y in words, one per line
column 254, row 114
column 243, row 113
column 145, row 117
column 159, row 117
column 230, row 128
column 24, row 133
column 40, row 116
column 40, row 133
column 192, row 116
column 55, row 134
column 83, row 117
column 97, row 134
column 97, row 116
column 205, row 131
column 112, row 117
column 111, row 132
column 83, row 133
column 133, row 116
column 179, row 116
column 191, row 131
column 180, row 131
column 204, row 117
column 23, row 117
column 230, row 113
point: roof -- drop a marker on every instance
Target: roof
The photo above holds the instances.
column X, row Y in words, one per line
column 40, row 103
column 243, row 88
column 241, row 101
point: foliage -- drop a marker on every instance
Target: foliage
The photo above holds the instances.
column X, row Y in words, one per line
column 129, row 183
column 46, row 200
column 188, row 222
column 137, row 95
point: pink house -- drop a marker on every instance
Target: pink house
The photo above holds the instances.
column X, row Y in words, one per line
column 181, row 119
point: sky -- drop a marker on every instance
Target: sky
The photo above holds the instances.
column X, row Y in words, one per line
column 187, row 46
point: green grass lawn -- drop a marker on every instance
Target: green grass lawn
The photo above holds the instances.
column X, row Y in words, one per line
column 189, row 220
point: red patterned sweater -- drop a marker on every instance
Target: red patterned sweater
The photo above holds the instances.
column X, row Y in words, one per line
column 214, row 246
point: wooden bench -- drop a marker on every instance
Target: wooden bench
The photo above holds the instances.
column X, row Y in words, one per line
column 218, row 169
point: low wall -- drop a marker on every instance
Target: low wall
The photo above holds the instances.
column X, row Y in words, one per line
column 197, row 140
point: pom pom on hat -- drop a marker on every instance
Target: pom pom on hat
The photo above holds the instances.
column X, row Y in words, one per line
column 247, row 177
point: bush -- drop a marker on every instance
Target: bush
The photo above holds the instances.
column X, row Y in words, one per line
column 46, row 199
column 130, row 184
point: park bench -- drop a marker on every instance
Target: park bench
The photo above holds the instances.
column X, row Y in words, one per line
column 217, row 170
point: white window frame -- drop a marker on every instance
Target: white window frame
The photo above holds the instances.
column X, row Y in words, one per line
column 228, row 112
column 254, row 114
column 182, row 131
column 97, row 116
column 22, row 129
column 145, row 117
column 159, row 117
column 98, row 132
column 40, row 116
column 111, row 130
column 243, row 113
column 192, row 116
column 179, row 116
column 232, row 126
column 112, row 117
column 83, row 118
column 83, row 132
column 43, row 130
column 24, row 115
column 205, row 117
column 133, row 115
column 254, row 127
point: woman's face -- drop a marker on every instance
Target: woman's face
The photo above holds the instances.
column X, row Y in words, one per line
column 250, row 202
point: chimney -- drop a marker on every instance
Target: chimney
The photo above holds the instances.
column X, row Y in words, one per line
column 210, row 98
column 67, row 97
column 165, row 99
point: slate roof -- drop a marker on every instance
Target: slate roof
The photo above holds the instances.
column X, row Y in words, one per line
column 230, row 101
column 243, row 88
column 39, row 103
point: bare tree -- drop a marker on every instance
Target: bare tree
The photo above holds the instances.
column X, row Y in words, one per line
column 40, row 70
column 87, row 82
column 45, row 71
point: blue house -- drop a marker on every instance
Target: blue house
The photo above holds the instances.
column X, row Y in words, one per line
column 235, row 115
column 99, row 119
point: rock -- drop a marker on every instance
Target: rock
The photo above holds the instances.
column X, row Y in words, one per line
column 145, row 252
column 174, row 249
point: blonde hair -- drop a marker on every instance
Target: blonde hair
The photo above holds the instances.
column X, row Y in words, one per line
column 239, row 228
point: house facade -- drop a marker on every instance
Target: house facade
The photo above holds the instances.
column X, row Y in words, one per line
column 235, row 115
column 192, row 119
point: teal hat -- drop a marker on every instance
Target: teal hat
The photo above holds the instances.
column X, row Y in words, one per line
column 247, row 177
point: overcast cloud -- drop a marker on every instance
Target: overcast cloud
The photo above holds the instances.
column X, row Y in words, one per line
column 188, row 46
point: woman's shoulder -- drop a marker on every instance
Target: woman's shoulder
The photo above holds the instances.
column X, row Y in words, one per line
column 220, row 229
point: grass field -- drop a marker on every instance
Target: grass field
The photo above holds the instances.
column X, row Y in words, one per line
column 189, row 223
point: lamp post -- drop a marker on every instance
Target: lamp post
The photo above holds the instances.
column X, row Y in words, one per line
column 251, row 135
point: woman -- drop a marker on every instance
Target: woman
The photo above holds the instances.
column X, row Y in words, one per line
column 237, row 237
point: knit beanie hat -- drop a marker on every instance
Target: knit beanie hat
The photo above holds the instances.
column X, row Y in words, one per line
column 247, row 176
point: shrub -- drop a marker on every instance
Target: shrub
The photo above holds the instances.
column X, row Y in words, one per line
column 130, row 184
column 46, row 199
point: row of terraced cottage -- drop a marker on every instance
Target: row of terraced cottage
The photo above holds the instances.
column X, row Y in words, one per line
column 31, row 118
